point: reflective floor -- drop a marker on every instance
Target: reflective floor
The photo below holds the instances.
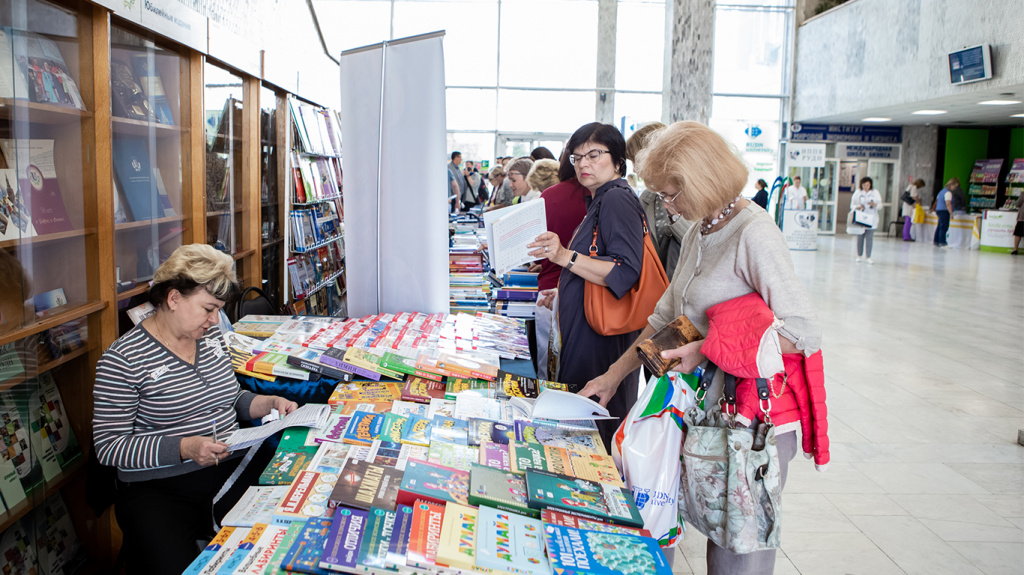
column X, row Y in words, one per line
column 924, row 363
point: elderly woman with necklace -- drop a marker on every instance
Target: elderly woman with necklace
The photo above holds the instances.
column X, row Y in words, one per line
column 165, row 393
column 734, row 250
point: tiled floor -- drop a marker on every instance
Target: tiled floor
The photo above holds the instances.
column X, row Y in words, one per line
column 924, row 363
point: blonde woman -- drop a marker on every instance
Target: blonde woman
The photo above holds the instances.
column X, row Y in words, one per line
column 542, row 176
column 733, row 249
column 165, row 393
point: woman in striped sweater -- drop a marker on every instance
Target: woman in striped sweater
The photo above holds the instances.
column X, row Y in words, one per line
column 164, row 392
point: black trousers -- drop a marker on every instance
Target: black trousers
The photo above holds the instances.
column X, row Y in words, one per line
column 163, row 518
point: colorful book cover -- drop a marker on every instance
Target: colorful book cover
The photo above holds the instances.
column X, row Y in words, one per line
column 606, row 502
column 462, row 364
column 416, row 430
column 495, row 455
column 307, row 497
column 52, row 429
column 333, row 431
column 511, row 385
column 331, row 457
column 442, row 407
column 407, row 408
column 400, row 534
column 410, row 452
column 391, row 429
column 422, row 390
column 133, row 171
column 221, row 545
column 457, row 546
column 335, row 357
column 468, row 406
column 481, row 430
column 536, row 456
column 433, row 482
column 595, row 467
column 57, row 545
column 310, row 360
column 16, row 407
column 294, row 438
column 386, row 453
column 499, row 489
column 574, row 551
column 242, row 551
column 578, row 439
column 406, row 365
column 457, row 385
column 256, row 505
column 341, row 553
column 348, row 408
column 264, row 550
column 373, row 552
column 363, row 428
column 556, row 517
column 453, row 455
column 37, row 174
column 510, row 543
column 304, row 555
column 449, row 430
column 273, row 566
column 427, row 517
column 366, row 391
column 285, row 466
column 363, row 485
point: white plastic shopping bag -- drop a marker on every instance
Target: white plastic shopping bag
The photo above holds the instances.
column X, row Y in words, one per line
column 646, row 450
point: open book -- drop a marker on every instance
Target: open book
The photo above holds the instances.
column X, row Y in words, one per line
column 510, row 229
column 309, row 415
column 559, row 406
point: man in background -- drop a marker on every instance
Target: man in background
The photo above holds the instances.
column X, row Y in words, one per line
column 460, row 179
column 796, row 196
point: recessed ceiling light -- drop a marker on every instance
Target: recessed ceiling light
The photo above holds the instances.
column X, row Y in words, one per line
column 1000, row 102
column 876, row 119
column 929, row 112
column 1017, row 116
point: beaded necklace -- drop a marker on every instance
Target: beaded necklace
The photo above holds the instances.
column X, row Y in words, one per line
column 705, row 226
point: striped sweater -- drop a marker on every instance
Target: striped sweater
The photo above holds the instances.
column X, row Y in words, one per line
column 146, row 399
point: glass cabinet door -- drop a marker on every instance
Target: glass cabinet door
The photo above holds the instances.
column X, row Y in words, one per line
column 272, row 199
column 223, row 100
column 822, row 195
column 883, row 179
column 149, row 135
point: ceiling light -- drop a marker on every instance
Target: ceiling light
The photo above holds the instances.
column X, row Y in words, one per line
column 929, row 112
column 876, row 120
column 1017, row 116
column 1000, row 102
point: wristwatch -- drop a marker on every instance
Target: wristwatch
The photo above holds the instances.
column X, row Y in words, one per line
column 572, row 260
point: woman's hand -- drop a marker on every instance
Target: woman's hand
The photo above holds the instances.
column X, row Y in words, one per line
column 203, row 450
column 547, row 298
column 603, row 386
column 283, row 406
column 549, row 246
column 690, row 356
column 262, row 405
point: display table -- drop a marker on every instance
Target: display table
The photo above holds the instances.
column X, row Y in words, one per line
column 801, row 229
column 962, row 230
column 997, row 230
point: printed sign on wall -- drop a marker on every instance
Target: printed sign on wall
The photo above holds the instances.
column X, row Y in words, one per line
column 800, row 155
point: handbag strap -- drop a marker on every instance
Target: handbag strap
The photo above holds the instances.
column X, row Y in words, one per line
column 729, row 392
column 597, row 218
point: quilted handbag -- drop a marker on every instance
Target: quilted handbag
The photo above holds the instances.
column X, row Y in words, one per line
column 731, row 484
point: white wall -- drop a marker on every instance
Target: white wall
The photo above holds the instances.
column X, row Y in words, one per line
column 874, row 53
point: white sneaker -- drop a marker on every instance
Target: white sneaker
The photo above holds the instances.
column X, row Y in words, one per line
column 858, row 259
column 871, row 261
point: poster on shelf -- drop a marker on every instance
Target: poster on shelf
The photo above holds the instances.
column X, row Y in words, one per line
column 986, row 171
column 1016, row 175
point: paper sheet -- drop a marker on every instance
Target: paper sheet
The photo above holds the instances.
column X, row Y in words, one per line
column 309, row 415
column 510, row 229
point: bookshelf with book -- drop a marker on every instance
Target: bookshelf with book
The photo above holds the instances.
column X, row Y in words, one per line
column 315, row 266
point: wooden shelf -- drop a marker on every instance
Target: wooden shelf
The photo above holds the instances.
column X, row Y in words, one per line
column 45, row 323
column 242, row 254
column 11, row 516
column 224, row 212
column 133, row 127
column 45, row 367
column 146, row 223
column 48, row 238
column 42, row 113
column 130, row 293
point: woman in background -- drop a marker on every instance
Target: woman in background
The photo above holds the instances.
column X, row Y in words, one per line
column 542, row 176
column 914, row 189
column 761, row 197
column 517, row 172
column 866, row 200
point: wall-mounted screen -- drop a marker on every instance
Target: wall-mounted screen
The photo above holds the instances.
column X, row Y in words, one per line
column 970, row 64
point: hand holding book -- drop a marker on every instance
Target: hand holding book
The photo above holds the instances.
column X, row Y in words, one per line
column 677, row 345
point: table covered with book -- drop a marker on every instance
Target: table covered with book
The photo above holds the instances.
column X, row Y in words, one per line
column 426, row 457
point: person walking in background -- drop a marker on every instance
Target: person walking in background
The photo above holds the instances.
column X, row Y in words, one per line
column 664, row 223
column 913, row 193
column 761, row 197
column 1018, row 230
column 866, row 201
column 469, row 198
column 796, row 196
column 943, row 208
column 455, row 168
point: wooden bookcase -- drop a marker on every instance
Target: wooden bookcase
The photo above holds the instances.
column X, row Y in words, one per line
column 92, row 231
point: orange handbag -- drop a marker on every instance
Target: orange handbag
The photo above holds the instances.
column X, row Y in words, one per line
column 608, row 315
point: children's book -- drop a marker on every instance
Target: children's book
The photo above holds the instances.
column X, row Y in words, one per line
column 578, row 439
column 410, row 452
column 452, row 455
column 449, row 430
column 307, row 497
column 341, row 552
column 433, row 482
column 241, row 552
column 16, row 408
column 406, row 365
column 362, row 485
column 575, row 551
column 304, row 555
column 416, row 430
column 510, row 543
column 566, row 519
column 468, row 406
column 495, row 455
column 286, row 465
column 257, row 561
column 331, row 457
column 217, row 551
column 481, row 430
column 363, row 428
column 442, row 407
column 460, row 385
column 366, row 391
column 595, row 467
column 499, row 489
column 606, row 502
column 407, row 408
column 380, row 529
column 511, row 385
column 386, row 453
column 536, row 456
column 457, row 547
column 400, row 534
column 422, row 390
column 391, row 429
column 256, row 505
column 427, row 517
column 332, row 431
column 273, row 566
column 51, row 430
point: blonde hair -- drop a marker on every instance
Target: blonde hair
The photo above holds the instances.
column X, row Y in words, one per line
column 543, row 174
column 192, row 267
column 639, row 139
column 696, row 161
column 496, row 172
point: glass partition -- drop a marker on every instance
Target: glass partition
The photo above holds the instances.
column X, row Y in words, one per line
column 222, row 100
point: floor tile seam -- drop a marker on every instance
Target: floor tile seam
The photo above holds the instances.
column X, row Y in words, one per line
column 856, row 465
column 1007, row 526
column 943, row 542
column 886, row 495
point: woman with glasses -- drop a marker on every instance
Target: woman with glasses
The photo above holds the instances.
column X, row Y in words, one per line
column 611, row 259
column 734, row 249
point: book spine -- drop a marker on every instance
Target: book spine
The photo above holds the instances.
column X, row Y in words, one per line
column 320, row 369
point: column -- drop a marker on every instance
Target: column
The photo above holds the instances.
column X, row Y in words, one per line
column 607, row 16
column 689, row 28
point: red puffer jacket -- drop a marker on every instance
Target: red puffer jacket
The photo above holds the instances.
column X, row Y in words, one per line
column 742, row 341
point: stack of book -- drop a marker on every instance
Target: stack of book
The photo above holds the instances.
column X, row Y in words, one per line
column 440, row 474
column 517, row 297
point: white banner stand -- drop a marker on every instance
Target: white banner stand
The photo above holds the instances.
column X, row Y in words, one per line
column 800, row 227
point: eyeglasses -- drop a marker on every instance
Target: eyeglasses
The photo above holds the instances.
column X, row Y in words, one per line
column 667, row 199
column 592, row 155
